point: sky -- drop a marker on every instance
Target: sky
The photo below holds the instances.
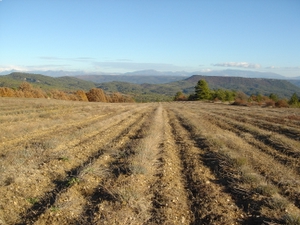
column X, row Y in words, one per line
column 118, row 36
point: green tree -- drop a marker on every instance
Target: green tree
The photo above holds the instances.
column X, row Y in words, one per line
column 294, row 100
column 219, row 95
column 274, row 97
column 230, row 95
column 192, row 97
column 202, row 91
column 259, row 97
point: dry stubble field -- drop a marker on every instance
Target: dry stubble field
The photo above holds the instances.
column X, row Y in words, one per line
column 156, row 163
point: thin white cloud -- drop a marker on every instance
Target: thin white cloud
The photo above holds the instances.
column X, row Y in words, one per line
column 292, row 68
column 206, row 70
column 31, row 68
column 272, row 67
column 84, row 59
column 284, row 68
column 106, row 66
column 11, row 67
column 117, row 65
column 130, row 66
column 49, row 58
column 124, row 60
column 239, row 65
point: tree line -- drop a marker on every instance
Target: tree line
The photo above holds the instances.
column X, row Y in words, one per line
column 26, row 90
column 203, row 92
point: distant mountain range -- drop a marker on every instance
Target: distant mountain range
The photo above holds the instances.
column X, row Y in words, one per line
column 135, row 79
column 57, row 73
column 156, row 77
column 228, row 73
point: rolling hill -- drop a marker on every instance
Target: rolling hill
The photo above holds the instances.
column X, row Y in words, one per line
column 295, row 82
column 248, row 85
column 135, row 79
column 155, row 92
column 282, row 88
column 14, row 80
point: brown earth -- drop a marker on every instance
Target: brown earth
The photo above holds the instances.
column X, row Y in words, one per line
column 157, row 163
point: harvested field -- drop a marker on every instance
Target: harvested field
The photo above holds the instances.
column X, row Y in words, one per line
column 155, row 163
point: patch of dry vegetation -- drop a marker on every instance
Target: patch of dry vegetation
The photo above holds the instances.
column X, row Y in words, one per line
column 39, row 160
column 133, row 174
column 64, row 162
column 269, row 190
column 26, row 90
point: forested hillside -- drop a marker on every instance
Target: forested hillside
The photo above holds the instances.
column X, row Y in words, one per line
column 14, row 80
column 282, row 88
column 135, row 79
column 155, row 92
column 247, row 85
column 295, row 82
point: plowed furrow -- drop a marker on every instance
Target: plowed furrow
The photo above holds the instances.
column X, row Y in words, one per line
column 289, row 132
column 61, row 129
column 170, row 197
column 29, row 113
column 86, row 178
column 36, row 114
column 209, row 202
column 282, row 117
column 117, row 164
column 41, row 151
column 275, row 141
column 256, row 141
column 64, row 171
column 244, row 159
column 127, row 191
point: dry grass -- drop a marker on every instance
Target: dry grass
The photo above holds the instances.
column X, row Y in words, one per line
column 130, row 191
column 172, row 163
column 44, row 158
column 245, row 167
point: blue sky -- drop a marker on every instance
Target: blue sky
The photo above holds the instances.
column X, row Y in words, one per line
column 165, row 35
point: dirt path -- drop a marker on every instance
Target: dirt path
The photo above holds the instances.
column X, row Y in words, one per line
column 170, row 201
